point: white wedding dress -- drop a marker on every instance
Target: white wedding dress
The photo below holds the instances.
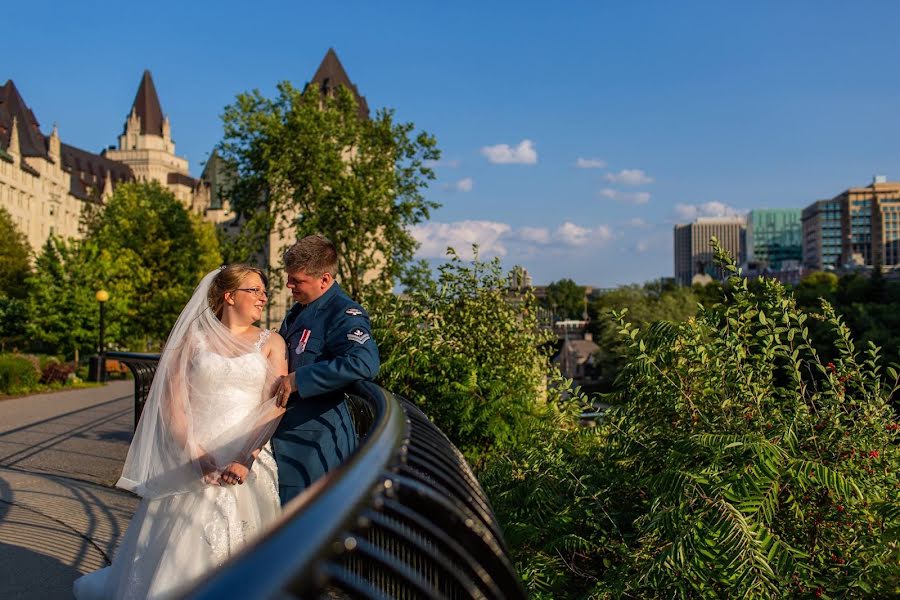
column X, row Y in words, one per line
column 174, row 540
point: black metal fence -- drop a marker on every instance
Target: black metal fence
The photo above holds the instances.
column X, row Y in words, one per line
column 403, row 517
column 142, row 366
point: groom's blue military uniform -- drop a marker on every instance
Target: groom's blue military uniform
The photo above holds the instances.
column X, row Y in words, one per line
column 330, row 346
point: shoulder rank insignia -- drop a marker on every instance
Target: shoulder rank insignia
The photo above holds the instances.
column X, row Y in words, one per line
column 355, row 312
column 359, row 336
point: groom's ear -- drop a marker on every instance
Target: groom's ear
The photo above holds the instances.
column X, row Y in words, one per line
column 326, row 279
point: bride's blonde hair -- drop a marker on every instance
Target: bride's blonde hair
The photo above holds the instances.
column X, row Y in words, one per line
column 228, row 280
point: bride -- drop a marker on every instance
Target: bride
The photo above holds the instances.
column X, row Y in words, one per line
column 200, row 458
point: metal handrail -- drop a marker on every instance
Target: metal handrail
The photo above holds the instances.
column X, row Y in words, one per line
column 402, row 517
column 143, row 367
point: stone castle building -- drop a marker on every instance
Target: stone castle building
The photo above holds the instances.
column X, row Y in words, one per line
column 45, row 184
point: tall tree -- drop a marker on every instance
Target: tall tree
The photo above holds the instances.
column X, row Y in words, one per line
column 14, row 254
column 171, row 251
column 14, row 270
column 62, row 311
column 566, row 299
column 308, row 163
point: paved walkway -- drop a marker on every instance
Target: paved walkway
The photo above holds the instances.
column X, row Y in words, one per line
column 60, row 517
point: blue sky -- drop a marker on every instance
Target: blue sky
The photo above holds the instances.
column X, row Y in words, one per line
column 691, row 108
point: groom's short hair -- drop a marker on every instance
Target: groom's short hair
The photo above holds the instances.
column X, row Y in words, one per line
column 314, row 255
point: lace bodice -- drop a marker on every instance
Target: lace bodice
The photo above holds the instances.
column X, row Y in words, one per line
column 224, row 389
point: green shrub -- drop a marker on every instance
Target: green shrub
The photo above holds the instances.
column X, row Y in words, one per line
column 56, row 372
column 468, row 353
column 18, row 373
column 762, row 469
column 736, row 462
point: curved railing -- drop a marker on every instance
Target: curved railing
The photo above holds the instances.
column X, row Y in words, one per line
column 403, row 517
column 142, row 366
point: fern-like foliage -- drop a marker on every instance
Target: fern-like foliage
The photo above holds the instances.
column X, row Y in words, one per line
column 762, row 472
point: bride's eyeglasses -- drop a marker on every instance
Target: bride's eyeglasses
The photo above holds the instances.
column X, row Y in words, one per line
column 258, row 292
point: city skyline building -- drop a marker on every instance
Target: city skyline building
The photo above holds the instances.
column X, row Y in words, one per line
column 693, row 255
column 863, row 226
column 774, row 238
column 860, row 227
column 821, row 224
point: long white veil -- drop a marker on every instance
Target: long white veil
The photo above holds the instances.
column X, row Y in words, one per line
column 187, row 434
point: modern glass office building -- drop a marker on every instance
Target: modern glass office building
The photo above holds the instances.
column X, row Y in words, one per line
column 860, row 226
column 822, row 234
column 775, row 237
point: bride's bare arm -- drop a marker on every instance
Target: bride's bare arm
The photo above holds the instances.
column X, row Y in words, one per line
column 275, row 352
column 176, row 413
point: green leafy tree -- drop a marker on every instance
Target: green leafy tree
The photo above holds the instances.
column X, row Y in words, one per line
column 14, row 257
column 645, row 304
column 62, row 310
column 307, row 163
column 467, row 352
column 566, row 299
column 144, row 225
column 14, row 271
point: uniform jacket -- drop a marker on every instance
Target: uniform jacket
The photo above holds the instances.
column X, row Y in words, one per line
column 330, row 346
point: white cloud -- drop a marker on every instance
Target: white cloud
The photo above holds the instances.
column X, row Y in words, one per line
column 570, row 234
column 435, row 237
column 637, row 222
column 501, row 239
column 627, row 197
column 537, row 235
column 629, row 177
column 504, row 154
column 689, row 212
column 463, row 185
column 590, row 163
column 642, row 245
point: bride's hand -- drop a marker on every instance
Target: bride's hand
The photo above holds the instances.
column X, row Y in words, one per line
column 235, row 474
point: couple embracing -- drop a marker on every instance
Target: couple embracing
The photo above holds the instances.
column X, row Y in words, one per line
column 238, row 421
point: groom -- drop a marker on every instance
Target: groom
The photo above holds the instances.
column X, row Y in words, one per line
column 330, row 346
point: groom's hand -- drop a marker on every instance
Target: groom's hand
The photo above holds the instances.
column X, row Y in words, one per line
column 286, row 386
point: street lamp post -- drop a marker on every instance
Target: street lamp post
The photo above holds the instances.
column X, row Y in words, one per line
column 102, row 296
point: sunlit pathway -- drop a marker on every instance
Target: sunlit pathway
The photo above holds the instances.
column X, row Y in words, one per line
column 59, row 516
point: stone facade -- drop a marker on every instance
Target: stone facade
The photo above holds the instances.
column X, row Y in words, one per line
column 45, row 183
column 693, row 254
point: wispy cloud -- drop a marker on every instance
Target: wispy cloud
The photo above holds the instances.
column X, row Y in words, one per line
column 501, row 239
column 590, row 163
column 504, row 154
column 638, row 222
column 434, row 238
column 463, row 185
column 629, row 177
column 627, row 197
column 536, row 235
column 570, row 234
column 689, row 212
